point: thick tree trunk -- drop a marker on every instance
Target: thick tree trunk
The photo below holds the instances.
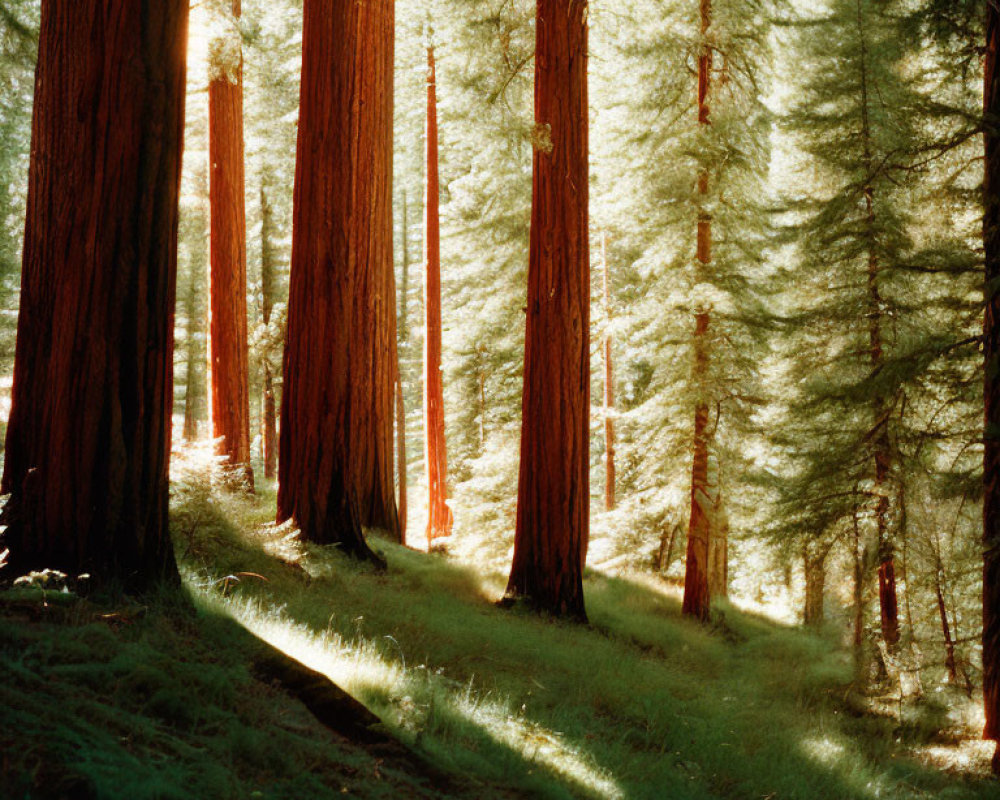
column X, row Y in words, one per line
column 88, row 441
column 609, row 390
column 439, row 518
column 374, row 382
column 550, row 545
column 991, row 354
column 269, row 422
column 322, row 368
column 697, row 594
column 888, row 605
column 230, row 375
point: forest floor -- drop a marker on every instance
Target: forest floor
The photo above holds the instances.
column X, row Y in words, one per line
column 164, row 700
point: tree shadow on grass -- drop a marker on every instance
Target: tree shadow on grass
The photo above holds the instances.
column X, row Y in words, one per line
column 642, row 704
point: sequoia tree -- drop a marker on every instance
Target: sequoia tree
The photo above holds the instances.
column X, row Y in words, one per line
column 696, row 576
column 550, row 543
column 88, row 441
column 374, row 383
column 991, row 353
column 228, row 281
column 439, row 517
column 326, row 374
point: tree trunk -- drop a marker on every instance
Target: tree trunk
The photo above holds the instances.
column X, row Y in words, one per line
column 859, row 583
column 550, row 544
column 401, row 458
column 814, row 561
column 322, row 368
column 194, row 383
column 439, row 518
column 888, row 605
column 269, row 434
column 230, row 376
column 374, row 383
column 697, row 594
column 609, row 391
column 949, row 644
column 88, row 441
column 718, row 543
column 991, row 390
column 404, row 336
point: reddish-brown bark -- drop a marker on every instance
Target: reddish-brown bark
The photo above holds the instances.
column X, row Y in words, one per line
column 697, row 594
column 228, row 278
column 991, row 390
column 88, row 441
column 609, row 390
column 322, row 365
column 374, row 382
column 269, row 427
column 439, row 517
column 888, row 605
column 550, row 545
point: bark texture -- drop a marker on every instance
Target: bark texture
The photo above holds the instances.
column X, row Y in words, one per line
column 324, row 369
column 553, row 488
column 88, row 441
column 374, row 381
column 439, row 517
column 228, row 281
column 991, row 354
column 697, row 594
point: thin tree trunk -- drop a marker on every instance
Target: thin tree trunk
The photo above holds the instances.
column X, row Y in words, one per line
column 269, row 422
column 230, row 374
column 88, row 441
column 609, row 390
column 859, row 584
column 949, row 644
column 439, row 517
column 550, row 544
column 194, row 383
column 697, row 594
column 888, row 605
column 322, row 371
column 991, row 390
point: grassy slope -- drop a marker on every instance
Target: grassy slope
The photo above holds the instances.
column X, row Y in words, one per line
column 108, row 701
column 641, row 704
column 105, row 700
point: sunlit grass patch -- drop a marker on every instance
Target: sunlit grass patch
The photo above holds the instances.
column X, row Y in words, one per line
column 640, row 704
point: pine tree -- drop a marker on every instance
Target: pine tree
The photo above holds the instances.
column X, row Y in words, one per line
column 88, row 439
column 553, row 490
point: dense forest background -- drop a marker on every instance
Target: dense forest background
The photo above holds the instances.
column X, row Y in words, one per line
column 818, row 377
column 791, row 386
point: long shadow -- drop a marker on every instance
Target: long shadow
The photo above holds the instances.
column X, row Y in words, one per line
column 641, row 704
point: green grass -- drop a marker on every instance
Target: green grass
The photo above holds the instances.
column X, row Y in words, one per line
column 640, row 704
